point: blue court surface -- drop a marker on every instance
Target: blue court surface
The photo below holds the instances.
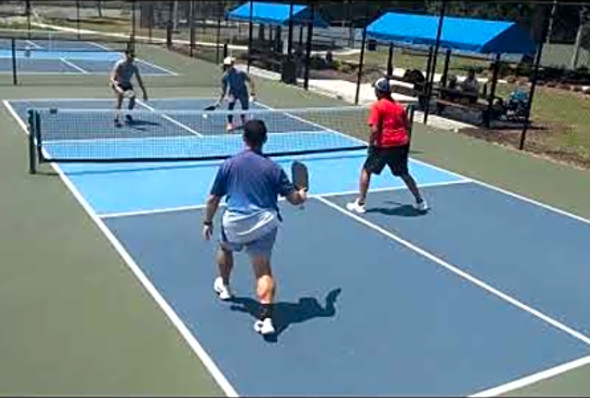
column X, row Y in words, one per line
column 67, row 57
column 486, row 288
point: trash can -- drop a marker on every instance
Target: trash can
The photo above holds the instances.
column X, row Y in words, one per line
column 372, row 45
column 289, row 72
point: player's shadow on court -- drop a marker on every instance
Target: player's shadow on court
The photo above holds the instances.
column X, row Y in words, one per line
column 397, row 209
column 285, row 313
column 139, row 124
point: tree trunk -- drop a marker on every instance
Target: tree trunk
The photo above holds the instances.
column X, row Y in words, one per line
column 576, row 54
column 175, row 16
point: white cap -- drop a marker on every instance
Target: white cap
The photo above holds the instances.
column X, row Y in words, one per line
column 229, row 61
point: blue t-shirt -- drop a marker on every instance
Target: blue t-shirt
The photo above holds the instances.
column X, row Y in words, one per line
column 251, row 183
column 236, row 81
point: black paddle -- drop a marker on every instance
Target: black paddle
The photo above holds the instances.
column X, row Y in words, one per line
column 300, row 176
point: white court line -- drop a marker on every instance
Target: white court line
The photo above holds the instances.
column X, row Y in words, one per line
column 534, row 378
column 330, row 194
column 155, row 211
column 32, row 43
column 168, row 310
column 171, row 73
column 547, row 319
column 479, row 182
column 162, row 114
column 99, row 46
column 73, row 65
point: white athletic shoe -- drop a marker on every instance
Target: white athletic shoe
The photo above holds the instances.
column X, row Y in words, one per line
column 264, row 327
column 222, row 290
column 422, row 206
column 356, row 207
column 229, row 127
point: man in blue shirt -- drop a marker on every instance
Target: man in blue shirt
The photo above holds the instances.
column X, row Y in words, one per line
column 233, row 82
column 251, row 183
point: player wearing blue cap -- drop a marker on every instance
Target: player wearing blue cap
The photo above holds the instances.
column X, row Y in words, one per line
column 233, row 82
column 388, row 145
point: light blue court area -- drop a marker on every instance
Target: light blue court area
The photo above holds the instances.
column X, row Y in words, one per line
column 483, row 290
column 92, row 60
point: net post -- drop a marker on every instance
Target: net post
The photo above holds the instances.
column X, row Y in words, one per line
column 32, row 149
column 14, row 74
column 37, row 131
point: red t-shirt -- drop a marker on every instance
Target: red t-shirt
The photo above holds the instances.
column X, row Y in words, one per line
column 390, row 118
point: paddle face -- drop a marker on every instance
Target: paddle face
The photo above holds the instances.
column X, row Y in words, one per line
column 210, row 108
column 300, row 175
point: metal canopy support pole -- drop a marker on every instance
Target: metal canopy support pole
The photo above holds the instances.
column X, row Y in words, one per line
column 78, row 17
column 250, row 29
column 445, row 76
column 496, row 70
column 308, row 44
column 290, row 38
column 151, row 20
column 390, row 60
column 218, row 40
column 430, row 81
column 361, row 62
column 28, row 12
column 191, row 24
column 534, row 82
column 133, row 19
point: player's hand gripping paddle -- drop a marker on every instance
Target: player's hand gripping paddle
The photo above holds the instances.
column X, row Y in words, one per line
column 300, row 176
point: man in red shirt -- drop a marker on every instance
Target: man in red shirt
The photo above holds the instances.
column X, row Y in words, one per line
column 388, row 145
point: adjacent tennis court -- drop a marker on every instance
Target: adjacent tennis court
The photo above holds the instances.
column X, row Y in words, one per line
column 486, row 289
column 59, row 56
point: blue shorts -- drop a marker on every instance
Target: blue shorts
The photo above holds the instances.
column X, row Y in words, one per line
column 259, row 247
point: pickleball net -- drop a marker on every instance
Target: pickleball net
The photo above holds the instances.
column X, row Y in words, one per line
column 91, row 135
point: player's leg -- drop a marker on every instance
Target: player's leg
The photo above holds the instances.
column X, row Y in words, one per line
column 225, row 264
column 131, row 104
column 373, row 165
column 118, row 103
column 260, row 254
column 397, row 159
column 230, row 106
column 245, row 104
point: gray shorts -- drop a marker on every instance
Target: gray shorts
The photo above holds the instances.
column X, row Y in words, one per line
column 259, row 247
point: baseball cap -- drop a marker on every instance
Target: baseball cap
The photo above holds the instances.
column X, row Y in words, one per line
column 382, row 84
column 229, row 61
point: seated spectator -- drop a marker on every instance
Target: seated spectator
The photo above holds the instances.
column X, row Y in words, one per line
column 470, row 84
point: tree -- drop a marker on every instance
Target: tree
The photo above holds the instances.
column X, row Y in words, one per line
column 584, row 20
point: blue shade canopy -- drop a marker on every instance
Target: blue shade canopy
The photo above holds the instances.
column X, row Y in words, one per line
column 275, row 14
column 465, row 34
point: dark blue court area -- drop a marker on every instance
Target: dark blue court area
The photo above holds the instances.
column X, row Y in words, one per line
column 486, row 288
column 39, row 56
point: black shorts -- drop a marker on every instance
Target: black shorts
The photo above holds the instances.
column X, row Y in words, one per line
column 125, row 86
column 243, row 102
column 395, row 157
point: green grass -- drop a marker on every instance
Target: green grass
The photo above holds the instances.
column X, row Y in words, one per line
column 564, row 117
